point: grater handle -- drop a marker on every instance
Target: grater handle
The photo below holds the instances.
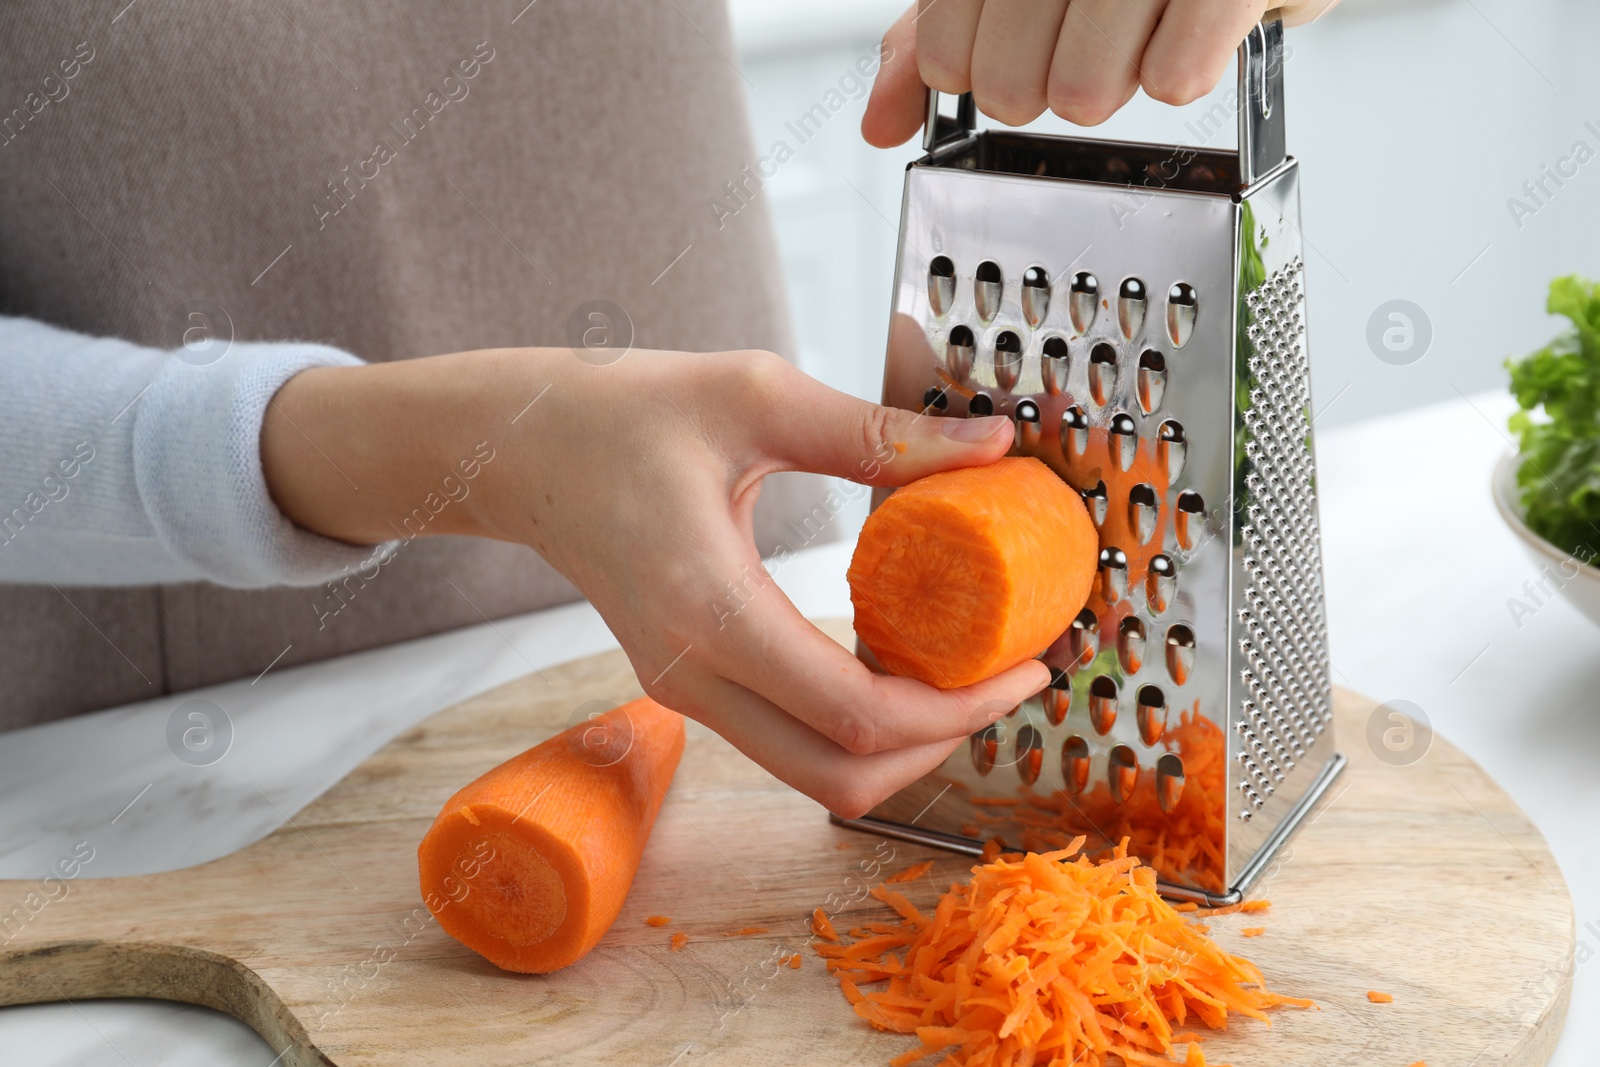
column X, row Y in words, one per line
column 1262, row 143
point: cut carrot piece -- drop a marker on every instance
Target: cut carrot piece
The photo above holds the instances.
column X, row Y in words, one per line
column 1047, row 958
column 822, row 927
column 678, row 941
column 966, row 573
column 658, row 920
column 529, row 864
column 794, row 961
column 1379, row 998
column 911, row 873
column 1253, row 931
column 749, row 931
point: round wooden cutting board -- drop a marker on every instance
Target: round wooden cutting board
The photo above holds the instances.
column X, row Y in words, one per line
column 1422, row 881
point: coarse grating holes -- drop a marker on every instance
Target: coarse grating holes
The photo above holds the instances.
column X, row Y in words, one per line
column 1083, row 303
column 1054, row 365
column 1007, row 359
column 958, row 350
column 987, row 286
column 1035, row 295
column 941, row 284
column 1283, row 631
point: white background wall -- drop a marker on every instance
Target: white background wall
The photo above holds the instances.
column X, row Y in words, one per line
column 1414, row 120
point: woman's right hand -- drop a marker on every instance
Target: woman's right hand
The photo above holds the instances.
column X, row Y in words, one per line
column 637, row 481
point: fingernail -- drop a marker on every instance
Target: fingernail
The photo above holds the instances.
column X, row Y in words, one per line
column 971, row 431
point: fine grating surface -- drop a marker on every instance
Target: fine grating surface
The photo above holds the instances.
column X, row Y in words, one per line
column 1283, row 631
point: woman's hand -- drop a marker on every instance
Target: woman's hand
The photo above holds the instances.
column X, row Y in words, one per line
column 1081, row 59
column 637, row 481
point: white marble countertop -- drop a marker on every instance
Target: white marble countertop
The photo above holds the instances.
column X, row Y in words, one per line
column 1419, row 571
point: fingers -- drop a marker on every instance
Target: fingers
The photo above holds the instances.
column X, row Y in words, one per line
column 1011, row 57
column 1097, row 61
column 771, row 649
column 897, row 106
column 843, row 782
column 946, row 30
column 1194, row 45
column 801, row 424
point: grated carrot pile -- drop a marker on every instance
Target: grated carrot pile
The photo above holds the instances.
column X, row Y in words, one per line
column 1047, row 959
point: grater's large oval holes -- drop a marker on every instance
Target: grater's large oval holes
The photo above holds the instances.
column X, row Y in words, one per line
column 1151, row 384
column 986, row 747
column 1169, row 781
column 1054, row 365
column 980, row 405
column 1102, row 373
column 1103, row 703
column 1035, row 295
column 1131, row 307
column 1113, row 574
column 1075, row 764
column 1172, row 449
column 1150, row 706
column 941, row 284
column 1124, row 440
column 1130, row 644
column 1083, row 301
column 1027, row 437
column 958, row 352
column 1161, row 583
column 1094, row 498
column 1190, row 520
column 1074, row 432
column 1056, row 699
column 934, row 400
column 1122, row 768
column 986, row 290
column 1030, row 753
column 1144, row 507
column 1081, row 642
column 1007, row 359
column 1180, row 653
column 1183, row 303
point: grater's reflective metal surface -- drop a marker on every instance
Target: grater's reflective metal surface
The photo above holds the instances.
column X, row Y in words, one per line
column 1138, row 309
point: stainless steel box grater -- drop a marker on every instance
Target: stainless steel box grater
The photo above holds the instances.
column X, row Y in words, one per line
column 1139, row 310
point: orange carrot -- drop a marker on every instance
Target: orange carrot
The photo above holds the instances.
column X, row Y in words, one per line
column 749, row 931
column 822, row 927
column 966, row 573
column 794, row 961
column 658, row 920
column 1047, row 958
column 911, row 873
column 529, row 864
column 1379, row 998
column 678, row 941
column 1253, row 931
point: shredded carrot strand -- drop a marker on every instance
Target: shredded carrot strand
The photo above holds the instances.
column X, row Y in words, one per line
column 658, row 920
column 1045, row 958
column 822, row 927
column 911, row 873
column 678, row 941
column 1253, row 931
column 1379, row 998
column 749, row 931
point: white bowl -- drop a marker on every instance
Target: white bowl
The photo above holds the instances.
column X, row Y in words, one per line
column 1577, row 580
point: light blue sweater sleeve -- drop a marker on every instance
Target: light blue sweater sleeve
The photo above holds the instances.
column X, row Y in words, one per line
column 127, row 465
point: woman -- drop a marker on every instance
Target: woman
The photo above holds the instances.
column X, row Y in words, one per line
column 236, row 239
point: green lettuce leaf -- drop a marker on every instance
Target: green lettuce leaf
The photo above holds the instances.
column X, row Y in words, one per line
column 1558, row 427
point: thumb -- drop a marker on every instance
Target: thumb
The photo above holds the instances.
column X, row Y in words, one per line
column 895, row 109
column 825, row 431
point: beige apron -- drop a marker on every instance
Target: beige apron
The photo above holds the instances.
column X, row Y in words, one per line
column 395, row 179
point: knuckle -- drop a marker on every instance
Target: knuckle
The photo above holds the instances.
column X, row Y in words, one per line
column 1175, row 87
column 850, row 799
column 878, row 432
column 1007, row 99
column 940, row 71
column 1081, row 104
column 857, row 734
